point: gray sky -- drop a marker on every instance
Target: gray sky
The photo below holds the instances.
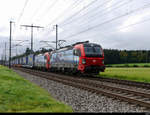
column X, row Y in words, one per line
column 115, row 24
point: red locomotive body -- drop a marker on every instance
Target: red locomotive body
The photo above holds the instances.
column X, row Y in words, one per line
column 82, row 57
column 47, row 58
column 91, row 59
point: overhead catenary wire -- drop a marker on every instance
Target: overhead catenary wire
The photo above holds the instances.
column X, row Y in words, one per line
column 140, row 22
column 108, row 21
column 80, row 10
column 39, row 8
column 72, row 17
column 64, row 13
column 84, row 24
column 104, row 33
column 49, row 8
column 55, row 2
column 98, row 13
column 74, row 4
column 22, row 12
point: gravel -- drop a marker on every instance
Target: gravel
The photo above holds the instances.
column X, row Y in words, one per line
column 134, row 88
column 81, row 100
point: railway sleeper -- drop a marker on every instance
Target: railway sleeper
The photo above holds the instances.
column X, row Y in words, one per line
column 119, row 97
column 146, row 99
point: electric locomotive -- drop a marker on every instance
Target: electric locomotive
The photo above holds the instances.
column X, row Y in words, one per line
column 82, row 57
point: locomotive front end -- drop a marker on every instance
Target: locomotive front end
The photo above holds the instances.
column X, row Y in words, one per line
column 92, row 59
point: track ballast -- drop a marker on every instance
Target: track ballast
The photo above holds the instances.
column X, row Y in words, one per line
column 141, row 98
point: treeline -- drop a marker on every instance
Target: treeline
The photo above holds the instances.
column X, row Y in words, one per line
column 113, row 56
column 28, row 51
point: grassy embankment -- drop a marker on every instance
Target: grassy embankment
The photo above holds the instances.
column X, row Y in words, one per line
column 19, row 95
column 135, row 74
column 129, row 65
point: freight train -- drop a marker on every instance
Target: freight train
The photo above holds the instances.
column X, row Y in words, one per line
column 81, row 57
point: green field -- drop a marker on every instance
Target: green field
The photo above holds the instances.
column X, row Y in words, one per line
column 135, row 74
column 130, row 65
column 19, row 95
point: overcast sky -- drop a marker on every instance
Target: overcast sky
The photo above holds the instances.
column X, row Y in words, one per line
column 115, row 24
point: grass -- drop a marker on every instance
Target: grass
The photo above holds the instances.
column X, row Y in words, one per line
column 130, row 65
column 134, row 74
column 19, row 95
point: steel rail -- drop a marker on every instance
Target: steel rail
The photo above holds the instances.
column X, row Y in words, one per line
column 97, row 88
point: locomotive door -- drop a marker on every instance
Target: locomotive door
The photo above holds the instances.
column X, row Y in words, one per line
column 76, row 56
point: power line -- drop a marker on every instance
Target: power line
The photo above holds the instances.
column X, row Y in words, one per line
column 106, row 13
column 84, row 14
column 21, row 14
column 80, row 10
column 31, row 26
column 74, row 4
column 108, row 21
column 143, row 21
column 49, row 8
column 97, row 14
column 39, row 8
column 140, row 22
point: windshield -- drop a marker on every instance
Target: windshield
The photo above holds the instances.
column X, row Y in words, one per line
column 93, row 51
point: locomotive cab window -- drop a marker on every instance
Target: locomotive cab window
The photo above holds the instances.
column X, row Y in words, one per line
column 92, row 50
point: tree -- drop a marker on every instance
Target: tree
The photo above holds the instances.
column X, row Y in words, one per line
column 28, row 51
column 123, row 56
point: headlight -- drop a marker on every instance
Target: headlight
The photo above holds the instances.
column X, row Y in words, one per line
column 83, row 61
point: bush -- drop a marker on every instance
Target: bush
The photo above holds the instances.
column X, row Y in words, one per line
column 109, row 66
column 146, row 65
column 126, row 65
column 135, row 66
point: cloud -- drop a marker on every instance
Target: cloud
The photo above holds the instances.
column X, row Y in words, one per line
column 102, row 21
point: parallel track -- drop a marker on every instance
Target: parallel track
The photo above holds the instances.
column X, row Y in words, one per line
column 124, row 94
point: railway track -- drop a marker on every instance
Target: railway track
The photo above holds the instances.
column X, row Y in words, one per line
column 124, row 94
column 125, row 82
